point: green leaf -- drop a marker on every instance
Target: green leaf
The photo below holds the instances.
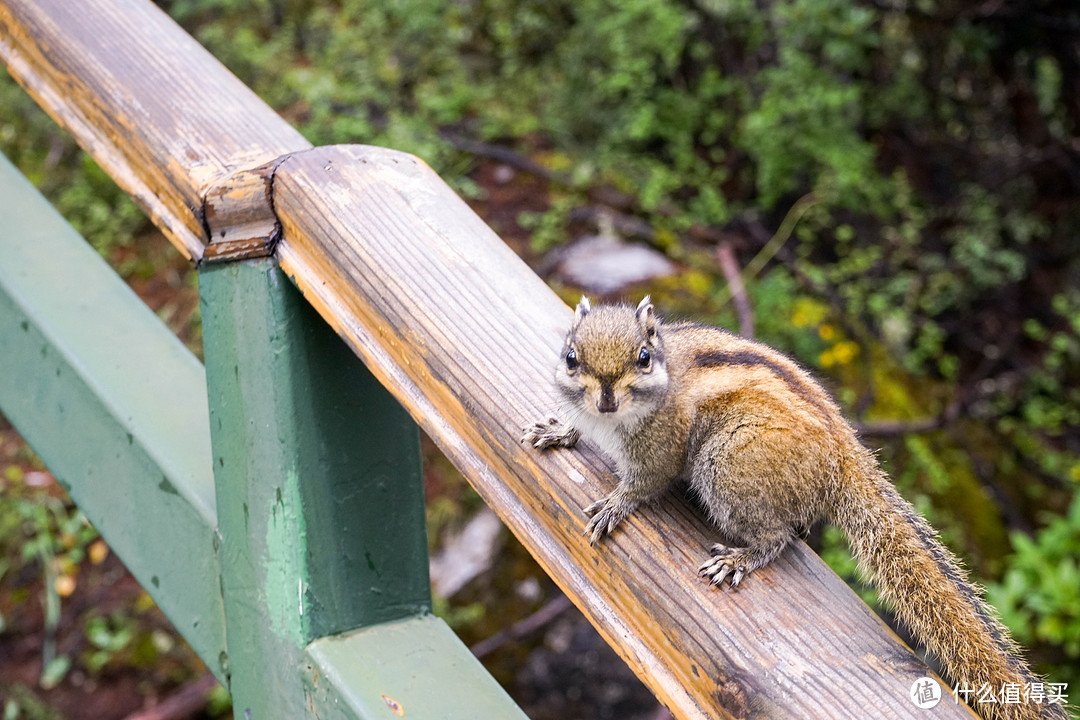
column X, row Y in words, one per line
column 53, row 673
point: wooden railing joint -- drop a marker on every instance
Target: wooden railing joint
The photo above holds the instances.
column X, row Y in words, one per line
column 238, row 215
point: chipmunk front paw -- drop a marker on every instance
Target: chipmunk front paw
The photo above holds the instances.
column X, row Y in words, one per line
column 549, row 433
column 606, row 514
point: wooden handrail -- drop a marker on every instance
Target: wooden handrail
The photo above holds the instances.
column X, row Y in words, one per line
column 465, row 336
column 161, row 115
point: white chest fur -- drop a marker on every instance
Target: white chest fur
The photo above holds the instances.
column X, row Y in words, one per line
column 607, row 434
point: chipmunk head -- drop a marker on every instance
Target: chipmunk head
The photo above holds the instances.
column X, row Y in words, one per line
column 613, row 361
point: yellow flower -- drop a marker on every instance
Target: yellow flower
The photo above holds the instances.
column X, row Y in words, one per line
column 841, row 353
column 845, row 351
column 64, row 585
column 98, row 552
column 807, row 312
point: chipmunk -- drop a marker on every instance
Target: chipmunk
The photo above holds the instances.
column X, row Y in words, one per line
column 768, row 453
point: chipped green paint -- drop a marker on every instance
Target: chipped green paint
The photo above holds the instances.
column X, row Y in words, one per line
column 313, row 497
column 285, row 564
column 417, row 666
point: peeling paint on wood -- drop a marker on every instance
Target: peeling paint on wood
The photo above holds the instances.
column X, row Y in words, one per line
column 157, row 111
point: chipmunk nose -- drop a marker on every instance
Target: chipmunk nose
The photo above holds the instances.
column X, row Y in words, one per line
column 607, row 403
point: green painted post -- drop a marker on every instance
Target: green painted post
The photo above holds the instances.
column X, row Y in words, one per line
column 319, row 490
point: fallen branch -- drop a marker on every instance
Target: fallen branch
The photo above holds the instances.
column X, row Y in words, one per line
column 524, row 628
column 623, row 206
column 910, row 427
column 189, row 699
column 729, row 265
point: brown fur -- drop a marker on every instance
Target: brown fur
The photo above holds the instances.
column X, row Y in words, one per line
column 769, row 453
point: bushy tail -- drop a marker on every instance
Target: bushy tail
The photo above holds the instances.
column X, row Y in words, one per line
column 931, row 595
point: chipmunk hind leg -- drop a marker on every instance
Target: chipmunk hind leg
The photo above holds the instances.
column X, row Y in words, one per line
column 760, row 497
column 738, row 562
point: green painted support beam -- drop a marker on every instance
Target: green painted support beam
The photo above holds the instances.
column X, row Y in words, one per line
column 320, row 500
column 416, row 668
column 116, row 407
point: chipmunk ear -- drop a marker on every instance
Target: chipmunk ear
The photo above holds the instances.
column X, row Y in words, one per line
column 583, row 308
column 646, row 317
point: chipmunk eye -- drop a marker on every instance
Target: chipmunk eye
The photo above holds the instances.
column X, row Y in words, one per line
column 571, row 359
column 644, row 358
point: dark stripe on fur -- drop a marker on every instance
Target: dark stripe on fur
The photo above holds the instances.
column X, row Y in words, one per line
column 749, row 358
column 948, row 566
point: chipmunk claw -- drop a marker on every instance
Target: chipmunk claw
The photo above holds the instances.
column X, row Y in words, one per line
column 724, row 562
column 548, row 433
column 605, row 515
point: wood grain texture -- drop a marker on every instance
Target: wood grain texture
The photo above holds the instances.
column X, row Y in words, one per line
column 466, row 336
column 158, row 112
column 238, row 213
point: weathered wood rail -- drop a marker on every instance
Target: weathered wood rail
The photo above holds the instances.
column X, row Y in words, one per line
column 464, row 336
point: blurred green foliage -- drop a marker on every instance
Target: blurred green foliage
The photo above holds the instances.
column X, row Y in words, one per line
column 57, row 579
column 934, row 261
column 1038, row 595
column 39, row 529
